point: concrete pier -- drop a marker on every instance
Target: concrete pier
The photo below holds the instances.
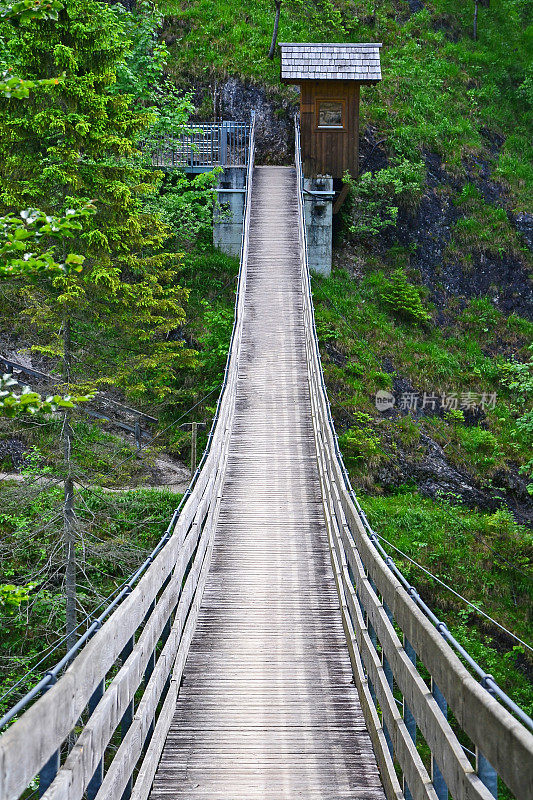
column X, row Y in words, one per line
column 228, row 221
column 318, row 202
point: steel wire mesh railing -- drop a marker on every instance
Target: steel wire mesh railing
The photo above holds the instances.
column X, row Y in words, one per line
column 202, row 147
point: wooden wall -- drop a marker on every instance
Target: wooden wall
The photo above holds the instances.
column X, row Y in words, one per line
column 329, row 151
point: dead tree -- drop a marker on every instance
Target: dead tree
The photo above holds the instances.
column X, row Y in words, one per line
column 484, row 4
column 69, row 519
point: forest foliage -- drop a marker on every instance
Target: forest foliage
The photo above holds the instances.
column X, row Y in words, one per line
column 109, row 278
column 94, row 243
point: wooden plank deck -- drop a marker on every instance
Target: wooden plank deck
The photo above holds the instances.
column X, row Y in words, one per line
column 268, row 708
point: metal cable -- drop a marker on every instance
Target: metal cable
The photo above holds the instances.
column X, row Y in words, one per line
column 449, row 588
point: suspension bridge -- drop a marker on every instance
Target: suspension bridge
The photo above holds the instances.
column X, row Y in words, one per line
column 268, row 648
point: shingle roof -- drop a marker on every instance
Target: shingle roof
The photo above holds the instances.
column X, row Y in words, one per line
column 339, row 62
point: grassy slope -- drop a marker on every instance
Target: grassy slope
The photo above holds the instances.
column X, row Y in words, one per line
column 436, row 93
column 358, row 337
column 444, row 93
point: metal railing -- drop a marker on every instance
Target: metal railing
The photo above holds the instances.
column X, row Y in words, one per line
column 396, row 641
column 98, row 729
column 203, row 147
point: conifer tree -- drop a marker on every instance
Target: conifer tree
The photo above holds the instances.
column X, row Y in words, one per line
column 71, row 140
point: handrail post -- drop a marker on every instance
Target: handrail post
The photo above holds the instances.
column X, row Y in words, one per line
column 49, row 772
column 51, row 768
column 436, row 775
column 374, row 640
column 98, row 776
column 224, row 133
column 487, row 773
column 390, row 680
column 408, row 718
column 127, row 717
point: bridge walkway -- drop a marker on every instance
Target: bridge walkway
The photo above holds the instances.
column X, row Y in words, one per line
column 268, row 708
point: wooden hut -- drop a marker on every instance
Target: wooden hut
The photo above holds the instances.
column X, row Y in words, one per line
column 329, row 76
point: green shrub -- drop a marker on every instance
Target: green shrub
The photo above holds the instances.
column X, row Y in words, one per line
column 407, row 432
column 325, row 326
column 403, row 299
column 355, row 368
column 481, row 316
column 485, row 229
column 481, row 446
column 360, row 444
column 382, row 379
column 375, row 198
column 454, row 415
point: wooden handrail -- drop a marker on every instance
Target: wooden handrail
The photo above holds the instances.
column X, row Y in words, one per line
column 145, row 642
column 374, row 604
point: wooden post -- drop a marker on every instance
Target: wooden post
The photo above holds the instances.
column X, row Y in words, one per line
column 194, row 441
column 48, row 772
column 138, row 434
column 51, row 768
column 96, row 780
column 194, row 437
column 390, row 680
column 410, row 722
column 487, row 773
column 272, row 50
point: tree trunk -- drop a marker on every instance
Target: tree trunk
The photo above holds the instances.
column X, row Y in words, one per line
column 475, row 20
column 69, row 530
column 69, row 520
column 275, row 31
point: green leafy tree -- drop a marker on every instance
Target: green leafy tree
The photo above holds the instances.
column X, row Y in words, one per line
column 185, row 204
column 11, row 85
column 141, row 75
column 13, row 404
column 24, row 10
column 21, row 236
column 12, row 597
column 76, row 139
